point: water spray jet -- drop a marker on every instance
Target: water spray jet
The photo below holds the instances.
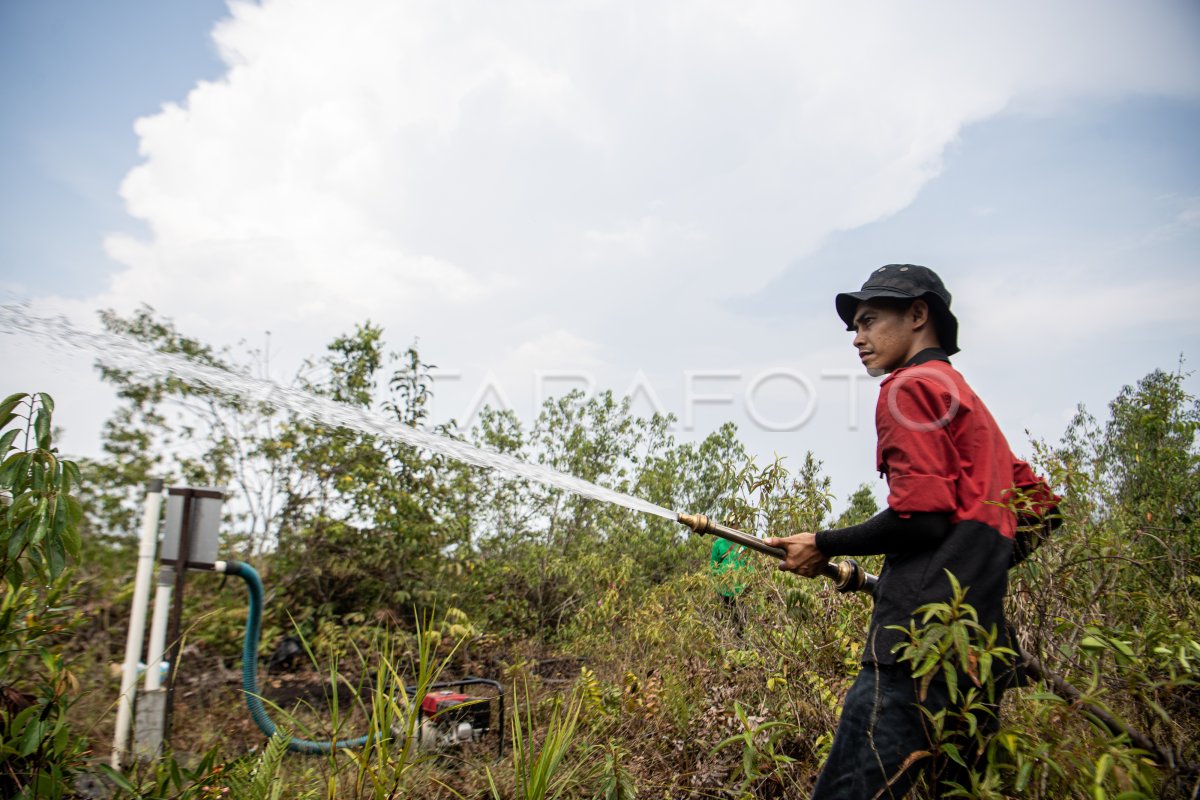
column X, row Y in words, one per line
column 123, row 353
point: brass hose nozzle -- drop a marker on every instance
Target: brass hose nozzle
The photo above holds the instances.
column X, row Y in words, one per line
column 847, row 575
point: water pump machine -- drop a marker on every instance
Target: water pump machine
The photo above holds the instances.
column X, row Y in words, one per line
column 447, row 715
column 446, row 718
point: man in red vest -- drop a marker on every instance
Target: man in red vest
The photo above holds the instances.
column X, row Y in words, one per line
column 950, row 476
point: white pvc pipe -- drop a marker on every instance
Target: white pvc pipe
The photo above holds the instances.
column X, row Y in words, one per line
column 137, row 618
column 157, row 645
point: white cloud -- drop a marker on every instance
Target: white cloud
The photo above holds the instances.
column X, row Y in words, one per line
column 412, row 161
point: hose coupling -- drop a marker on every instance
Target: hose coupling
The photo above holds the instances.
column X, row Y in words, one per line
column 848, row 576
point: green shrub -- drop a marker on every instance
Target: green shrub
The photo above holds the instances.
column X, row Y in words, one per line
column 39, row 751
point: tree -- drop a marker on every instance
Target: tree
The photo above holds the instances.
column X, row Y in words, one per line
column 1150, row 451
column 860, row 508
column 355, row 519
column 167, row 428
column 543, row 552
column 361, row 525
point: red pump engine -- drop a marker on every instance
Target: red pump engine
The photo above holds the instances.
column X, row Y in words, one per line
column 450, row 718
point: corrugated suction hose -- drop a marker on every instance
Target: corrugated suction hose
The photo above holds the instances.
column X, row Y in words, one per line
column 258, row 711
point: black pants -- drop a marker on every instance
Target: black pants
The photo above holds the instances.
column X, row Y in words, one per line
column 878, row 750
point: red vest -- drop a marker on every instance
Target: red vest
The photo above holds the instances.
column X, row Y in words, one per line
column 941, row 451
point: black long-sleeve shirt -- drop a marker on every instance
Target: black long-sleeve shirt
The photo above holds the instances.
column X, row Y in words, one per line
column 888, row 532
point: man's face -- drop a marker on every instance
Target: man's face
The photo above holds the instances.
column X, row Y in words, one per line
column 883, row 335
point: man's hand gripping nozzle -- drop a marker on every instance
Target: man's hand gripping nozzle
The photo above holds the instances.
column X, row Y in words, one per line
column 847, row 575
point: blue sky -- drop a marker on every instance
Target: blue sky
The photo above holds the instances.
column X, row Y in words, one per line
column 565, row 196
column 73, row 77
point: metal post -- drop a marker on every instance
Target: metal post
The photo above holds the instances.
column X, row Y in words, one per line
column 181, row 558
column 192, row 514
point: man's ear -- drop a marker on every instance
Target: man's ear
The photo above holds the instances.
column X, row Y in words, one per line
column 918, row 314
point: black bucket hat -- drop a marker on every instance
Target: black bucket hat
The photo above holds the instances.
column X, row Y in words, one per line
column 906, row 282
